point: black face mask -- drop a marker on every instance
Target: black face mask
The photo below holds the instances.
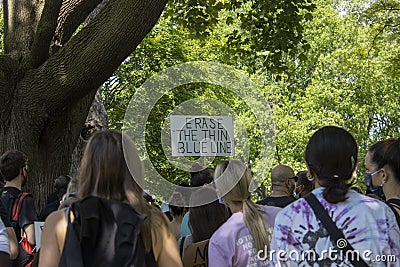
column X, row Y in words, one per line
column 376, row 190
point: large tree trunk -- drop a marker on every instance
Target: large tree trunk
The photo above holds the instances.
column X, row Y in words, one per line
column 97, row 120
column 49, row 77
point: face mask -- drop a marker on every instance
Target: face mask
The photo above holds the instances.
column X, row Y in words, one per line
column 25, row 175
column 376, row 190
column 25, row 180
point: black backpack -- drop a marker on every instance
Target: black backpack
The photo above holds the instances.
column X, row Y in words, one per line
column 104, row 233
column 26, row 253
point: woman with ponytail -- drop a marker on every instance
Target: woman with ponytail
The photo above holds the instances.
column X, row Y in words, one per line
column 366, row 224
column 248, row 231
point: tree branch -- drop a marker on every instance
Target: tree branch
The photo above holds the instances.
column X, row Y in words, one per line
column 19, row 24
column 72, row 14
column 45, row 32
column 93, row 54
column 8, row 75
column 7, row 64
column 375, row 37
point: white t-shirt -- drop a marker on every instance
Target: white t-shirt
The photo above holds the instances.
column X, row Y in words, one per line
column 4, row 243
column 368, row 224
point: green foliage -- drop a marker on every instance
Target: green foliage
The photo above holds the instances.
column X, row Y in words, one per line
column 345, row 81
column 258, row 33
column 338, row 65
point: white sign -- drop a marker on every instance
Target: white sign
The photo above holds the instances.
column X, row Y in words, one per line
column 38, row 233
column 202, row 135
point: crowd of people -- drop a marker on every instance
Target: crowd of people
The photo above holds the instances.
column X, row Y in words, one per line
column 315, row 217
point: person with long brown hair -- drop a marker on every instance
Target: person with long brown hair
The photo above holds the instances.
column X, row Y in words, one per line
column 111, row 177
column 248, row 230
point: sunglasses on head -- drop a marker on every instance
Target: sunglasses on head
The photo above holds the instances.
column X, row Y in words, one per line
column 295, row 178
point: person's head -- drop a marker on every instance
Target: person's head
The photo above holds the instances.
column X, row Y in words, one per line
column 303, row 185
column 111, row 169
column 206, row 219
column 331, row 158
column 282, row 179
column 234, row 183
column 14, row 165
column 61, row 185
column 383, row 163
column 200, row 176
column 179, row 209
column 71, row 195
column 105, row 171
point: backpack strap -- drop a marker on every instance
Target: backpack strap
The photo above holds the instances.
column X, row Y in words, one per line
column 395, row 203
column 17, row 206
column 181, row 245
column 333, row 231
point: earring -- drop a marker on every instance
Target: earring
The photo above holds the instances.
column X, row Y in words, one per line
column 309, row 177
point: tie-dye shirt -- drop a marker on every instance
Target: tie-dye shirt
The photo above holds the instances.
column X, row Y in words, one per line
column 369, row 225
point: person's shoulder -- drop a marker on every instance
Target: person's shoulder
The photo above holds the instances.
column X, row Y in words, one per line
column 27, row 200
column 234, row 223
column 10, row 190
column 366, row 201
column 58, row 215
column 57, row 221
column 264, row 201
column 280, row 202
column 269, row 209
column 296, row 208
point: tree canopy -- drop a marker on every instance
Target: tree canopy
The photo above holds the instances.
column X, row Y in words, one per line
column 343, row 72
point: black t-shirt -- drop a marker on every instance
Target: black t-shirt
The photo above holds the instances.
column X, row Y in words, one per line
column 4, row 215
column 280, row 202
column 27, row 214
column 48, row 209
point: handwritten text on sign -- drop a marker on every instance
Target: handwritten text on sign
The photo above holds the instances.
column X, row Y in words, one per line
column 202, row 135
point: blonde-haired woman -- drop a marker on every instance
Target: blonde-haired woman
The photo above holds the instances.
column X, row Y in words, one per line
column 110, row 193
column 238, row 241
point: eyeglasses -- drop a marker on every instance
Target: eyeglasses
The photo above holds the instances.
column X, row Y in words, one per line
column 295, row 178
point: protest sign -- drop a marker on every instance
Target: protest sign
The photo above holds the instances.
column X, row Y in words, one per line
column 202, row 135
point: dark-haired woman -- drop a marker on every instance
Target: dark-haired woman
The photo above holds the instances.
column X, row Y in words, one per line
column 383, row 171
column 367, row 224
column 177, row 213
column 109, row 185
column 204, row 220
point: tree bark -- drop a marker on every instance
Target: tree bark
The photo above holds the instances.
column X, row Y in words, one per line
column 96, row 120
column 44, row 97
